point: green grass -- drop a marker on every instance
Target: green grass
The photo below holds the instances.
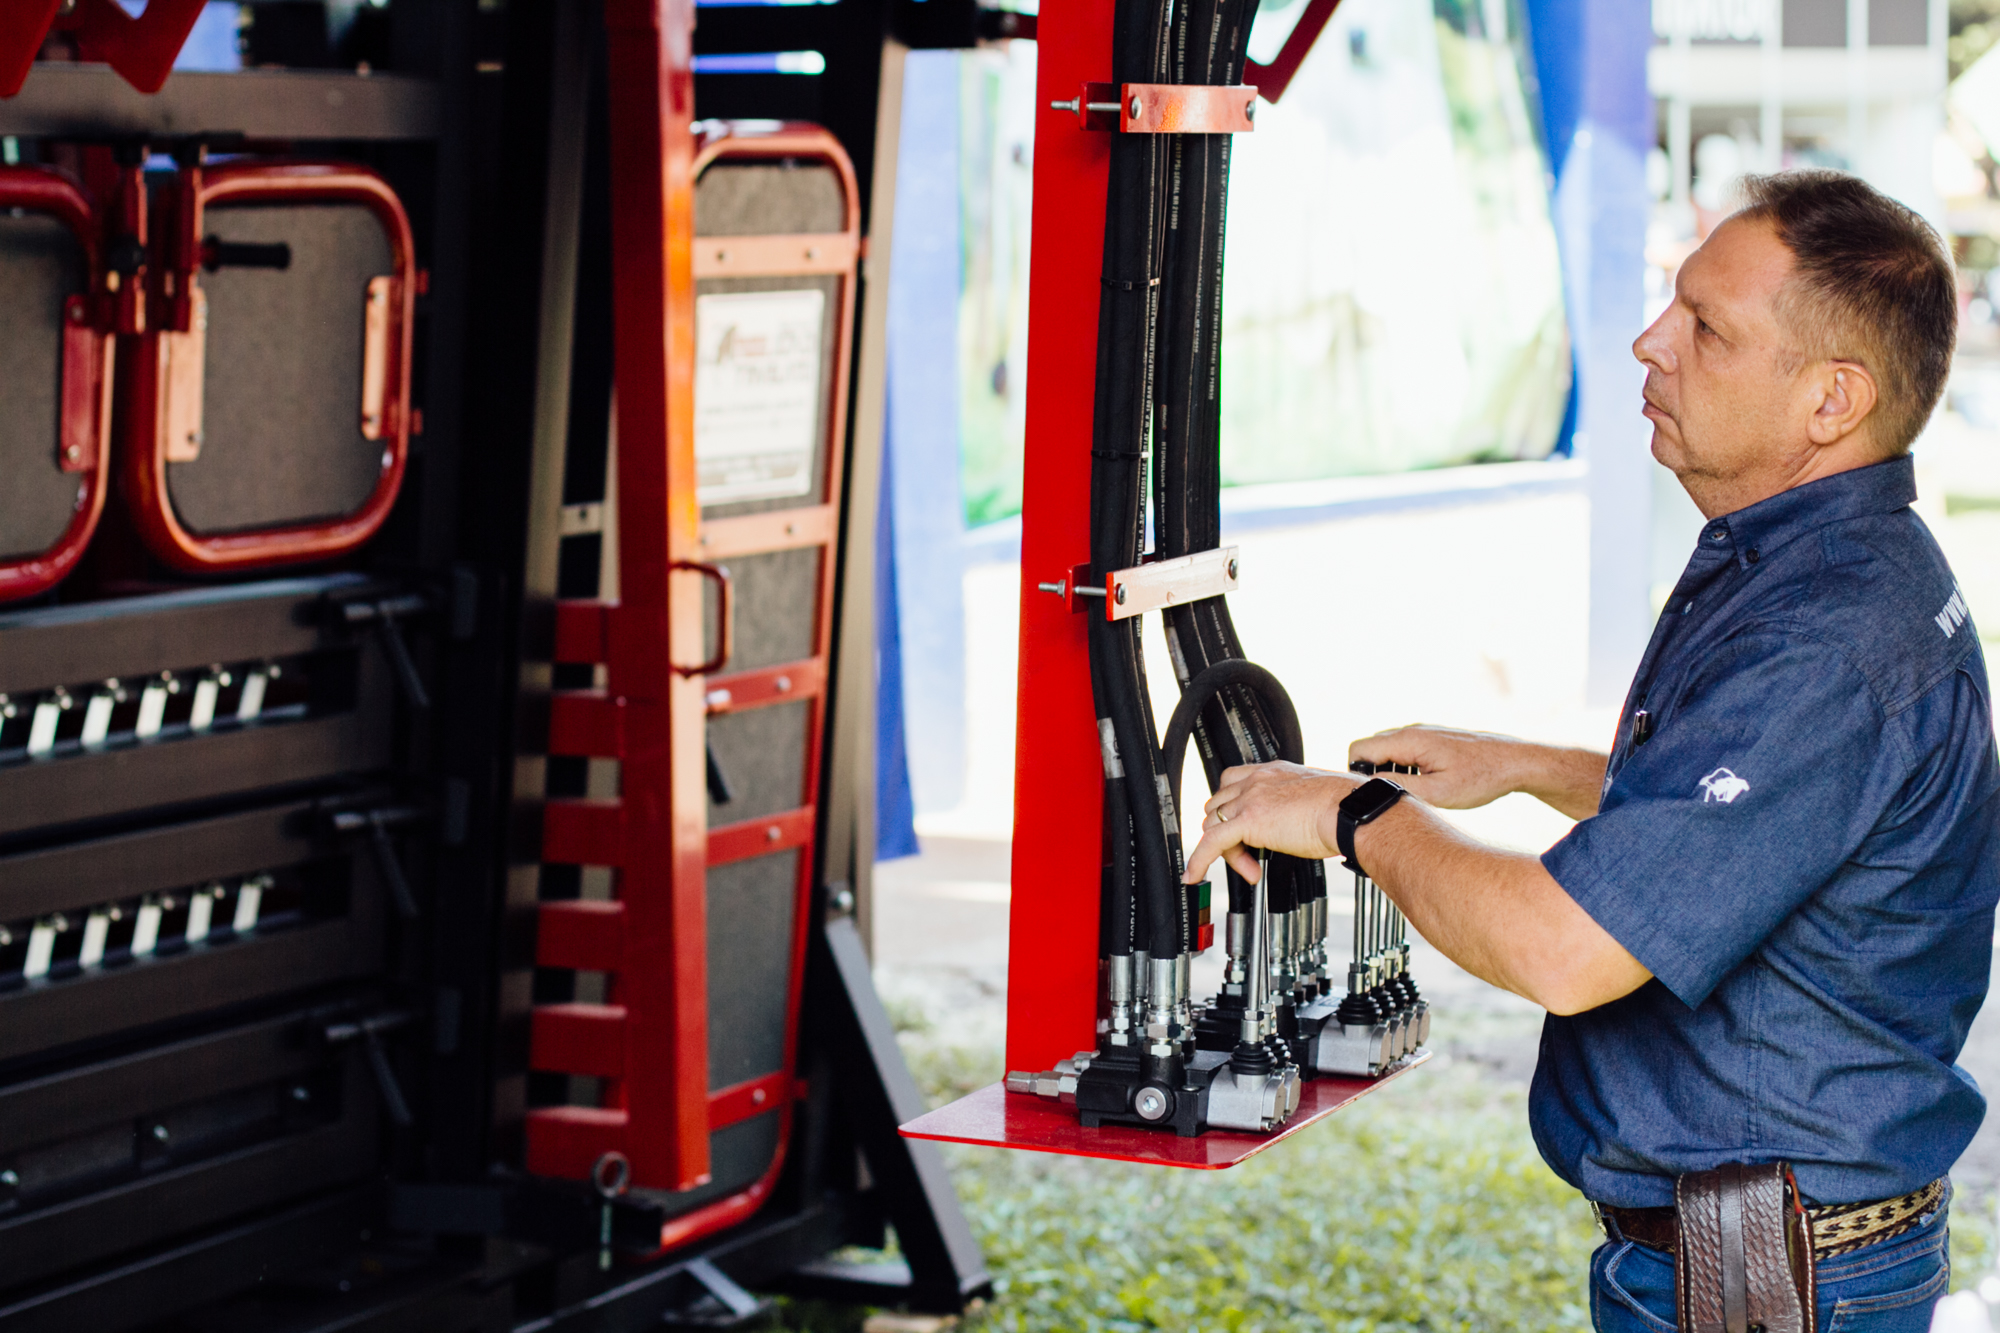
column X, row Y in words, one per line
column 1424, row 1206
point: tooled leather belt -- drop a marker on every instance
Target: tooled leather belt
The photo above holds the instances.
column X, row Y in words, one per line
column 1836, row 1228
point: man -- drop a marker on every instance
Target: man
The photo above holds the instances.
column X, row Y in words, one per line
column 1766, row 938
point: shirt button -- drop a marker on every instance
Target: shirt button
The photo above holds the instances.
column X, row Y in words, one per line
column 1751, row 555
column 1717, row 535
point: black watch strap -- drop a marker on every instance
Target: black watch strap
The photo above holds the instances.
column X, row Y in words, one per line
column 1363, row 805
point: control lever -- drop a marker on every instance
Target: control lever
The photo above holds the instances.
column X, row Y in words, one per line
column 217, row 253
column 377, row 823
column 384, row 613
column 369, row 1032
column 718, row 781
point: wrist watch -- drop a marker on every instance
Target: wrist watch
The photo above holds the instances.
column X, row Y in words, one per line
column 1365, row 804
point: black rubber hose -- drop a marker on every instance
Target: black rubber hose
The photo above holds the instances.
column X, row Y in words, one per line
column 1126, row 319
column 1235, row 672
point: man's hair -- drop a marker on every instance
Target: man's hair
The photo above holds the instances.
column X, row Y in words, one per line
column 1873, row 284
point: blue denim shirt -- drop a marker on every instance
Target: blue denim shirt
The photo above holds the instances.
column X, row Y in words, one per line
column 1797, row 837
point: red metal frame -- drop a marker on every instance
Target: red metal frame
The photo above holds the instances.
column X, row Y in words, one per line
column 24, row 25
column 658, row 1110
column 82, row 444
column 994, row 1118
column 145, row 444
column 142, row 48
column 1058, row 780
column 1274, row 78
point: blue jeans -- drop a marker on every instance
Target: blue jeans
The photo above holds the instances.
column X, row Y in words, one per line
column 1884, row 1288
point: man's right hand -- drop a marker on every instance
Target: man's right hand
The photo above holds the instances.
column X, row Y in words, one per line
column 1459, row 770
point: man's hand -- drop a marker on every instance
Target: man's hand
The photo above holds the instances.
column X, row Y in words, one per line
column 1499, row 915
column 1460, row 770
column 1278, row 807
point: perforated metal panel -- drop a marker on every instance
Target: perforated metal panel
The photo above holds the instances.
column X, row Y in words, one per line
column 282, row 441
column 41, row 265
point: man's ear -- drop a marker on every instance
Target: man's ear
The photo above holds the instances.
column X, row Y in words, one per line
column 1847, row 394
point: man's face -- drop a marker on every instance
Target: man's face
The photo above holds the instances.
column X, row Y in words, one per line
column 1722, row 393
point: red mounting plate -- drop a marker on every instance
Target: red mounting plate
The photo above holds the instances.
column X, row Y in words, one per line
column 994, row 1118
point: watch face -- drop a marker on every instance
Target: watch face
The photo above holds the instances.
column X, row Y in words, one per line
column 1370, row 799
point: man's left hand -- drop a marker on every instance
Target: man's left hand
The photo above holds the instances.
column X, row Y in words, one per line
column 1278, row 807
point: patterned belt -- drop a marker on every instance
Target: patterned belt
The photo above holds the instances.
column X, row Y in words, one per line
column 1840, row 1228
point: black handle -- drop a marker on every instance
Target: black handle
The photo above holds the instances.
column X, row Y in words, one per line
column 217, row 253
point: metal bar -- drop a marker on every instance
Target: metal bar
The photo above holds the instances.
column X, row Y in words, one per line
column 586, row 722
column 760, row 837
column 756, row 534
column 579, row 1039
column 1188, row 578
column 133, row 637
column 751, row 1097
column 774, row 256
column 67, row 100
column 659, row 621
column 784, row 683
column 126, row 865
column 582, row 933
column 1058, row 783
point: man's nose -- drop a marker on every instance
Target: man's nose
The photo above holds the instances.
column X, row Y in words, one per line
column 1654, row 347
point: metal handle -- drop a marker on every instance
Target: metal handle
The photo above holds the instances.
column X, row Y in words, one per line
column 725, row 611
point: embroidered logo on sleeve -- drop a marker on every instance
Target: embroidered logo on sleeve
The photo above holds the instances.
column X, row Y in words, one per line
column 1722, row 787
column 1954, row 613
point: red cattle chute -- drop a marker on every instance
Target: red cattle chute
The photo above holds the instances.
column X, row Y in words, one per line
column 81, row 444
column 145, row 436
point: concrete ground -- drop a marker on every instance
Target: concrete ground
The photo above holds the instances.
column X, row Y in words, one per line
column 1472, row 615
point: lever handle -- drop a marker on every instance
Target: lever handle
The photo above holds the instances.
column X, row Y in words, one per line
column 725, row 611
column 217, row 253
column 392, row 866
column 718, row 781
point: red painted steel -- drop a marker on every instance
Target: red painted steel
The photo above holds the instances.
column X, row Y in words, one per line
column 995, row 1118
column 787, row 529
column 583, row 933
column 586, row 722
column 652, row 939
column 23, row 26
column 787, row 682
column 751, row 1097
column 1274, row 78
column 568, row 1140
column 760, row 837
column 144, row 469
column 1058, row 784
column 583, row 631
column 80, row 443
column 664, row 983
column 583, row 832
column 579, row 1039
column 141, row 47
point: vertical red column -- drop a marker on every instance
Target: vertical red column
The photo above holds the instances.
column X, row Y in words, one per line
column 1058, row 778
column 664, row 982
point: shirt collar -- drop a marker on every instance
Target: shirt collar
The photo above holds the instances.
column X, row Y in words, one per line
column 1880, row 488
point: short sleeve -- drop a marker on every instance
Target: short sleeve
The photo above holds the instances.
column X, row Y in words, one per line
column 1767, row 774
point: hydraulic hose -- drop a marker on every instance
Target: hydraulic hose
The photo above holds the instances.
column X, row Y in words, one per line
column 1126, row 319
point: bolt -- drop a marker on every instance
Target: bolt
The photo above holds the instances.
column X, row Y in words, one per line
column 1151, row 1103
column 1121, row 594
column 783, row 684
column 160, row 1134
column 73, row 452
column 843, row 900
column 1232, row 567
column 1137, row 106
